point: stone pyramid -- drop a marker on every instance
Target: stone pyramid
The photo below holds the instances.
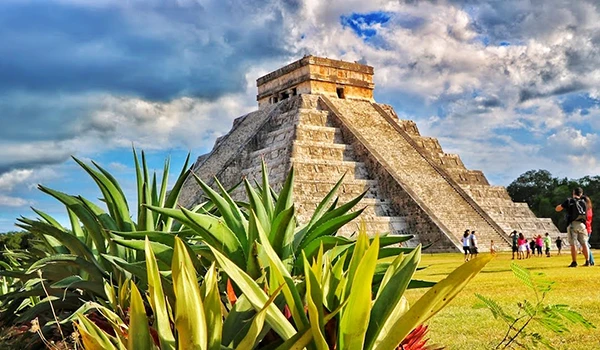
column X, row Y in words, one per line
column 319, row 116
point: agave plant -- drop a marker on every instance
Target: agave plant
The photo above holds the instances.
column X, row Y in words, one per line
column 333, row 306
column 370, row 316
column 195, row 315
column 194, row 321
column 233, row 230
column 104, row 249
column 76, row 264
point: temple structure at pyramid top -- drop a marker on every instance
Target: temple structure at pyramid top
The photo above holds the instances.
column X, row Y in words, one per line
column 317, row 76
column 318, row 116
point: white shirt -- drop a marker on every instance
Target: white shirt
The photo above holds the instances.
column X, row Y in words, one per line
column 473, row 240
column 465, row 241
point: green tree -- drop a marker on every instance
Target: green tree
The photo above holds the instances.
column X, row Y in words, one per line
column 531, row 186
column 543, row 192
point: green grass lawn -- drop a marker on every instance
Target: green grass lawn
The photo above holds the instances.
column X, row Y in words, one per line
column 460, row 326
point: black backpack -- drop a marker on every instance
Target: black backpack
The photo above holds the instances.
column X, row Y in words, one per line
column 578, row 209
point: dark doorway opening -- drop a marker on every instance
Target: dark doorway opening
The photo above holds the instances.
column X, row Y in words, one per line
column 340, row 92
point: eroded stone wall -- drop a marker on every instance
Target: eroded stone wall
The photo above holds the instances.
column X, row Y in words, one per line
column 447, row 205
column 495, row 200
column 316, row 75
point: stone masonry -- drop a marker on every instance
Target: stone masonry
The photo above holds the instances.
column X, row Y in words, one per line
column 318, row 115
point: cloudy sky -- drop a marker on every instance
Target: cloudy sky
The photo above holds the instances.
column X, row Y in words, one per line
column 509, row 85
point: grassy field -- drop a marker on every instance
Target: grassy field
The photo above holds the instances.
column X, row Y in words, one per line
column 460, row 326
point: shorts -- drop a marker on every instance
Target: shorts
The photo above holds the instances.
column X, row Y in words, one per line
column 577, row 231
column 467, row 250
column 522, row 248
column 474, row 250
column 515, row 248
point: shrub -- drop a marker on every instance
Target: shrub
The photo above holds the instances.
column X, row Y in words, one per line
column 331, row 305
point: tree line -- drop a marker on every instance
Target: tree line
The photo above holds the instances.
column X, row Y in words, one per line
column 543, row 192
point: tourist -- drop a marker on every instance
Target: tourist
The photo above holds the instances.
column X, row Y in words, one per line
column 529, row 247
column 576, row 217
column 588, row 225
column 465, row 242
column 558, row 244
column 522, row 246
column 493, row 247
column 473, row 245
column 515, row 245
column 547, row 244
column 539, row 243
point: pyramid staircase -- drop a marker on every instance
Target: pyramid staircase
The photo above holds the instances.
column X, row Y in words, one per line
column 395, row 152
column 494, row 200
column 411, row 185
column 320, row 157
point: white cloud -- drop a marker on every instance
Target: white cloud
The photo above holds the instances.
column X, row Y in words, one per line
column 181, row 123
column 118, row 166
column 573, row 142
column 8, row 201
column 443, row 61
column 15, row 177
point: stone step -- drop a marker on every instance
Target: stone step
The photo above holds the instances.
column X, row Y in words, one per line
column 313, row 117
column 322, row 150
column 308, row 169
column 499, row 202
column 509, row 212
column 279, row 135
column 285, row 119
column 312, row 133
column 486, row 192
column 374, row 208
column 524, row 223
column 277, row 169
column 352, row 187
column 508, row 209
column 274, row 152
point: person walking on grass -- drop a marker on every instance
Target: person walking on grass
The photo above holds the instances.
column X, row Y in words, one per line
column 465, row 242
column 539, row 243
column 558, row 244
column 576, row 211
column 522, row 242
column 529, row 247
column 493, row 247
column 588, row 226
column 473, row 245
column 515, row 243
column 547, row 244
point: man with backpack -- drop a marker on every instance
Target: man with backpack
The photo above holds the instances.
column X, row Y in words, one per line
column 576, row 215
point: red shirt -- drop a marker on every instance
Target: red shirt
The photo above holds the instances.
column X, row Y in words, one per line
column 588, row 220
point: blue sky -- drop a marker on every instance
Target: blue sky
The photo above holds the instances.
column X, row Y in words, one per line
column 510, row 86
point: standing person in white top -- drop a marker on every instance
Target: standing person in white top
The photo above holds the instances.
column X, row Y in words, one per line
column 473, row 245
column 465, row 243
